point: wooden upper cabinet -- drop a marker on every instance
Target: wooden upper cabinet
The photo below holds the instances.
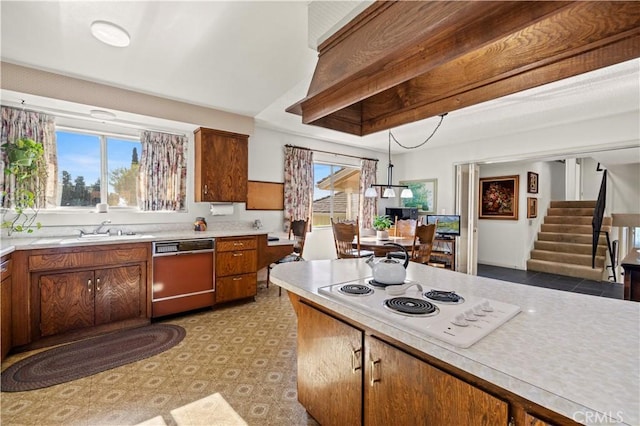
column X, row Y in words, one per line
column 222, row 166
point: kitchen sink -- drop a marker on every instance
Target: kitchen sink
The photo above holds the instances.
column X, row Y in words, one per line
column 104, row 237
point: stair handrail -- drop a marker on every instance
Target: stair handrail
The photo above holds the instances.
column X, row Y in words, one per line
column 596, row 224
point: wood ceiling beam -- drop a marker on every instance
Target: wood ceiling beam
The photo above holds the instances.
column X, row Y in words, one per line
column 466, row 53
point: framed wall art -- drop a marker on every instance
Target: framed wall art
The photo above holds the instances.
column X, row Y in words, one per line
column 532, row 207
column 424, row 195
column 498, row 198
column 532, row 183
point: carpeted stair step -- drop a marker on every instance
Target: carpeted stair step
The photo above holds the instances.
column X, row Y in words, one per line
column 567, row 228
column 569, row 247
column 572, row 220
column 569, row 238
column 570, row 258
column 583, row 204
column 566, row 211
column 578, row 271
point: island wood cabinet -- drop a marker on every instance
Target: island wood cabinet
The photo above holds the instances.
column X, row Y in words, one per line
column 6, row 267
column 221, row 166
column 351, row 375
column 379, row 384
column 236, row 268
column 81, row 291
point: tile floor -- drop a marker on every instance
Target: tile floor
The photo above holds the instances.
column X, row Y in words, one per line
column 557, row 282
column 246, row 352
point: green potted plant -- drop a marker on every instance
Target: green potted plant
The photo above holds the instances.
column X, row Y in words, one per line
column 25, row 166
column 381, row 224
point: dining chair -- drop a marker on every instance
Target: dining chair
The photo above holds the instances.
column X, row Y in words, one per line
column 423, row 243
column 405, row 228
column 344, row 235
column 297, row 229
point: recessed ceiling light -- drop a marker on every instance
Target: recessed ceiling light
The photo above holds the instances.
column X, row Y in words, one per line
column 111, row 34
column 102, row 114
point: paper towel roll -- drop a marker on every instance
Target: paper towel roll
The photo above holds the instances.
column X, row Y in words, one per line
column 221, row 209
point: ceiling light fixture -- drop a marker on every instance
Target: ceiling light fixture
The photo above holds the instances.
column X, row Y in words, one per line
column 111, row 34
column 102, row 114
column 389, row 192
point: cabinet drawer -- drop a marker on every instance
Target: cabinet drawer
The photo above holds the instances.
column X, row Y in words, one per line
column 236, row 287
column 53, row 260
column 236, row 262
column 6, row 266
column 237, row 243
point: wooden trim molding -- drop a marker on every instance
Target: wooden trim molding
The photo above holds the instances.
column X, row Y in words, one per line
column 399, row 62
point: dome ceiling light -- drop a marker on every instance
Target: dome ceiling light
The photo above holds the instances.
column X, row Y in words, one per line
column 102, row 114
column 111, row 34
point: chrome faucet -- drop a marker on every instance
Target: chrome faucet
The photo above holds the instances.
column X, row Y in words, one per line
column 104, row 222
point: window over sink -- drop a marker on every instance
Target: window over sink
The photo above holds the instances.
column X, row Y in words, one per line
column 97, row 168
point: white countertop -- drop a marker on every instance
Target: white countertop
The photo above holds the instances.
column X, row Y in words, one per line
column 578, row 355
column 8, row 246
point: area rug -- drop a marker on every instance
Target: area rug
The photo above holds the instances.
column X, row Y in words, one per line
column 87, row 357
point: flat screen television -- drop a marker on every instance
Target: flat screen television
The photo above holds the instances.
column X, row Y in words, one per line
column 448, row 225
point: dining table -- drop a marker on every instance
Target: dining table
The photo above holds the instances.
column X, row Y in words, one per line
column 380, row 247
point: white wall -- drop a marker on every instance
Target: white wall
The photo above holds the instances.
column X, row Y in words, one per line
column 266, row 163
column 508, row 243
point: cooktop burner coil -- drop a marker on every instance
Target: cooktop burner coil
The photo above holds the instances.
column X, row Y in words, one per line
column 356, row 290
column 449, row 297
column 411, row 306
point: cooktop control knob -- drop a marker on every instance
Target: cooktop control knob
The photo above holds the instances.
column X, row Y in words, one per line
column 460, row 321
column 477, row 310
column 469, row 315
column 486, row 306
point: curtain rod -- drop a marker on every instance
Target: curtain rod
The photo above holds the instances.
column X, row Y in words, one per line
column 332, row 153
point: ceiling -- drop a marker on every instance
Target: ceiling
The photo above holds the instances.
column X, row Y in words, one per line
column 253, row 58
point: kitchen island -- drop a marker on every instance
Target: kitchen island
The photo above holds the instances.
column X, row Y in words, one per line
column 564, row 358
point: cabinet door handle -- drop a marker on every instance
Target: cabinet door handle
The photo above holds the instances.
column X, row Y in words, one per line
column 237, row 254
column 373, row 371
column 355, row 365
column 89, row 286
column 206, row 190
column 97, row 284
column 238, row 244
column 237, row 279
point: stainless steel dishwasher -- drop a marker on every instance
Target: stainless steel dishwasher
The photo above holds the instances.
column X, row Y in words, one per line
column 183, row 275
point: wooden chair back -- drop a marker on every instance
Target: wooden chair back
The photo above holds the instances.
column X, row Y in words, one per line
column 344, row 233
column 298, row 229
column 423, row 243
column 406, row 228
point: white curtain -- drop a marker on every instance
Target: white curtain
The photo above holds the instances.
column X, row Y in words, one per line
column 368, row 206
column 18, row 124
column 298, row 183
column 162, row 179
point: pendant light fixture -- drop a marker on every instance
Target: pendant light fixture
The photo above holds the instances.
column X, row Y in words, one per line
column 388, row 191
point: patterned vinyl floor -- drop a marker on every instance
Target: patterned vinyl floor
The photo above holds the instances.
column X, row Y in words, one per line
column 245, row 352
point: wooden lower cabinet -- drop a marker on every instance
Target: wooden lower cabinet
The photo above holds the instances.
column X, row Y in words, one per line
column 236, row 268
column 75, row 300
column 5, row 307
column 338, row 384
column 329, row 368
column 403, row 390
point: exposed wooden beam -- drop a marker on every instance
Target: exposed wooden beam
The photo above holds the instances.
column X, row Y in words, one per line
column 399, row 62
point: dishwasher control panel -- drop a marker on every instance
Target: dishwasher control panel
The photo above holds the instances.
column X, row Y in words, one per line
column 180, row 246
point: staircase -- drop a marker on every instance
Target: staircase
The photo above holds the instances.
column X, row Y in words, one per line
column 563, row 246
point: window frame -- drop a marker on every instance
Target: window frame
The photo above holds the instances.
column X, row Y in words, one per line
column 334, row 163
column 103, row 137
